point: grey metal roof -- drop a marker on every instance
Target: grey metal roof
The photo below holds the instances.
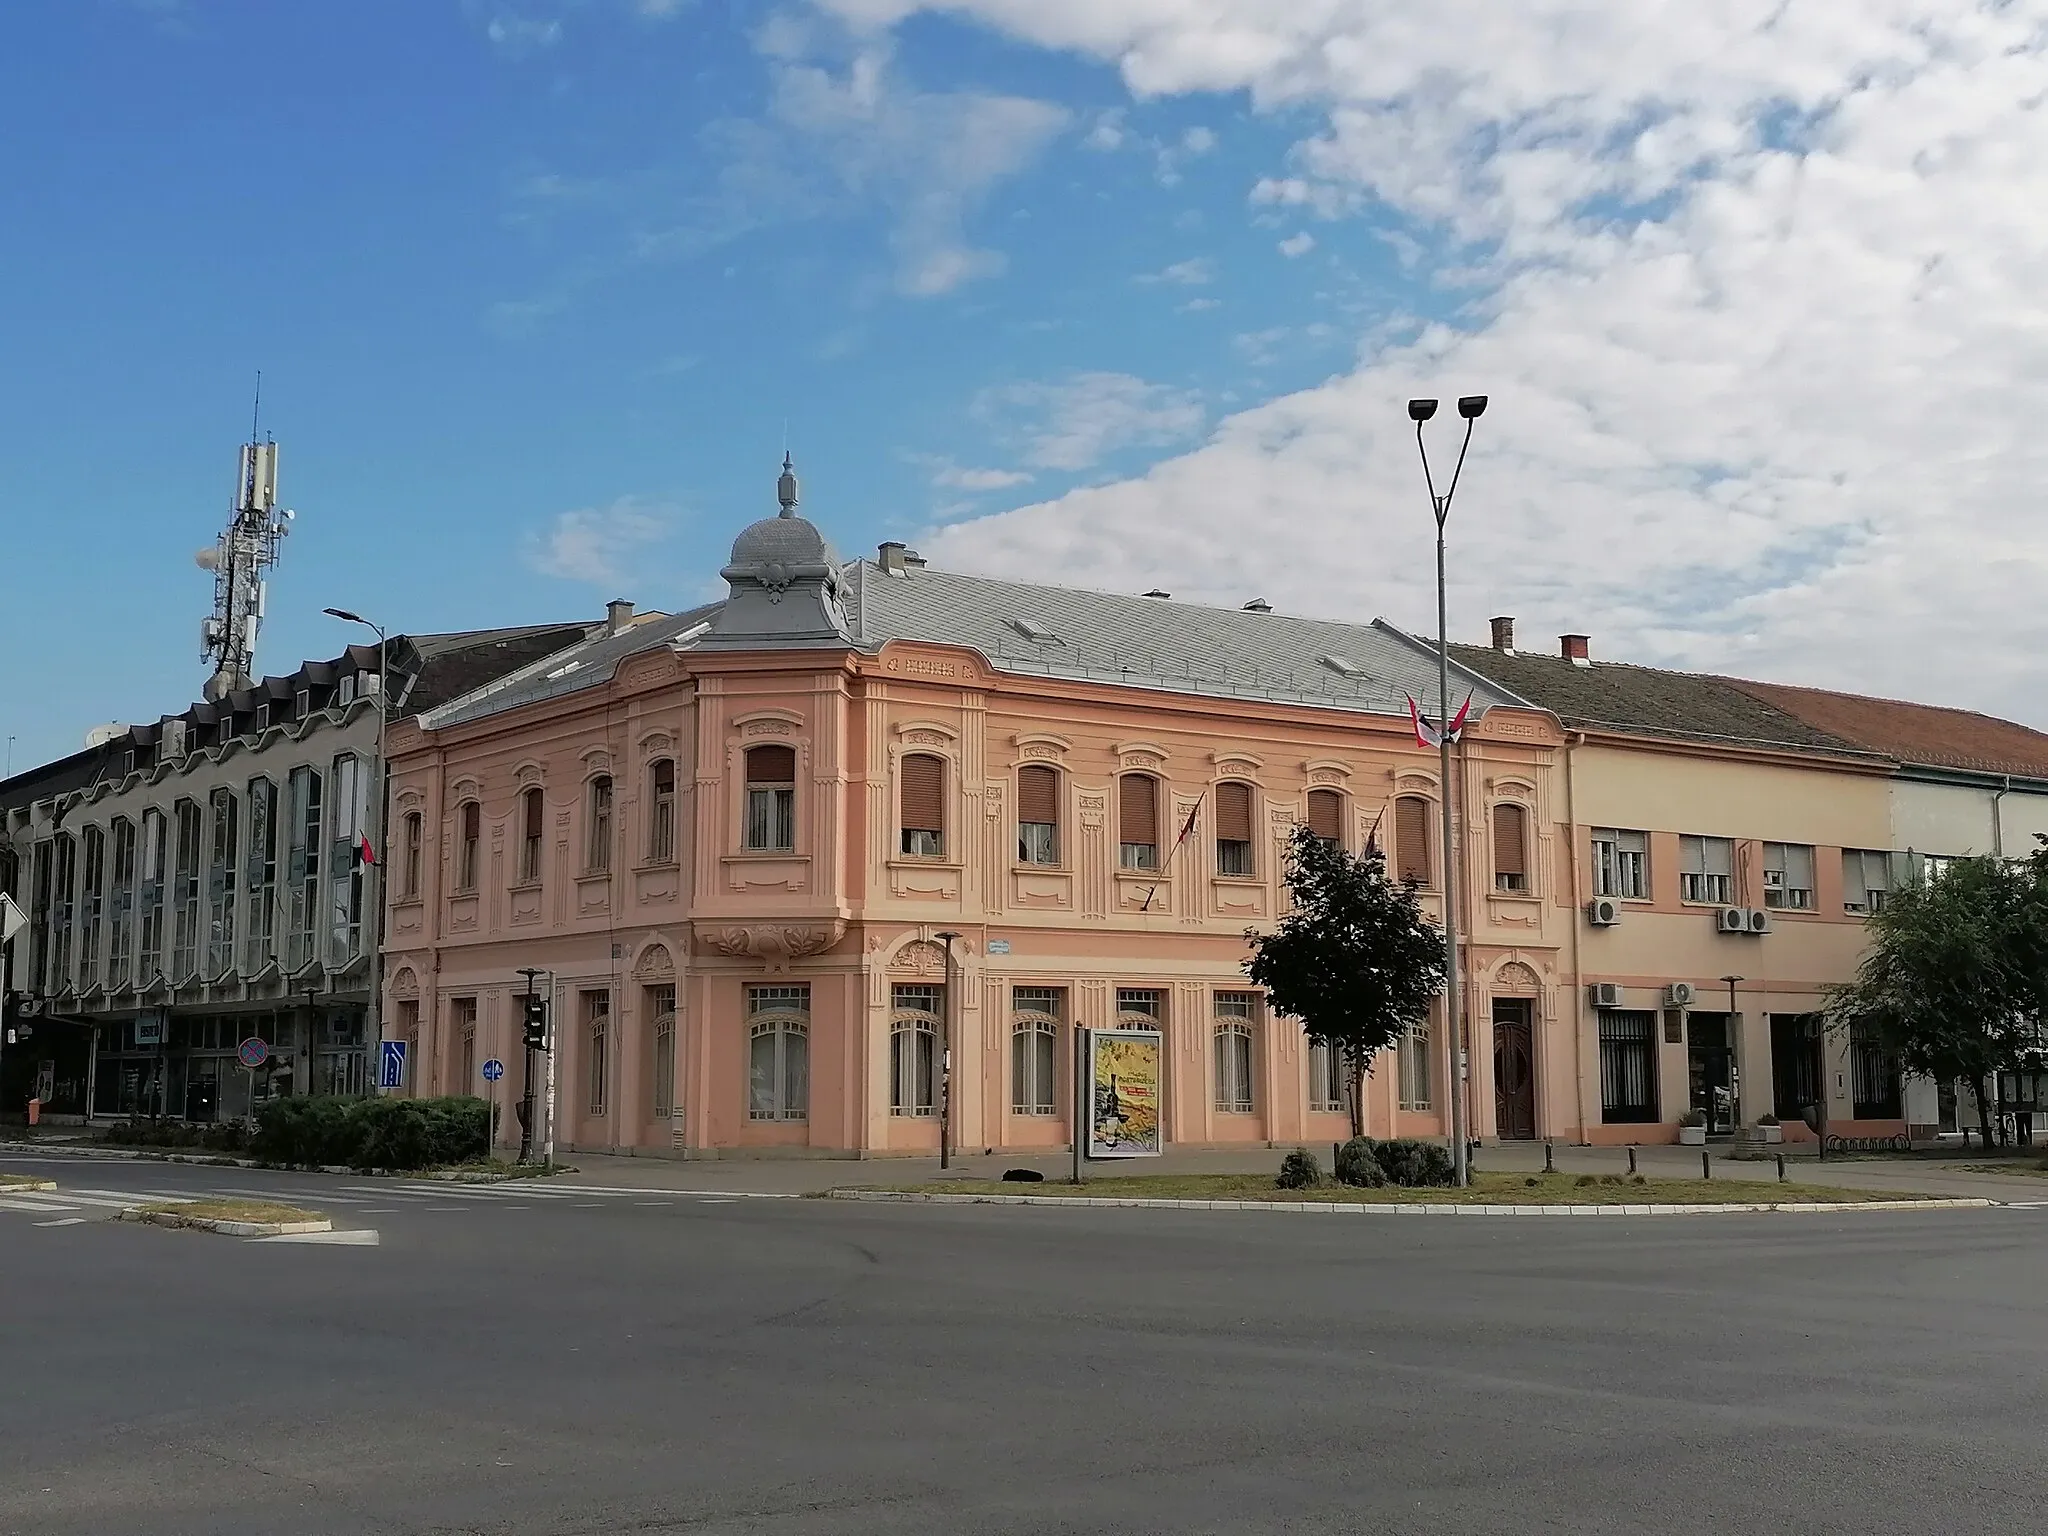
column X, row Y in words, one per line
column 584, row 664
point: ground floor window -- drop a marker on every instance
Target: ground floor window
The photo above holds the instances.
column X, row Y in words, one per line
column 661, row 1012
column 914, row 1049
column 778, row 1053
column 1328, row 1087
column 1234, row 1053
column 1140, row 1007
column 1036, row 1013
column 1874, row 1076
column 597, row 1028
column 462, row 1023
column 1628, row 1066
column 1413, row 1067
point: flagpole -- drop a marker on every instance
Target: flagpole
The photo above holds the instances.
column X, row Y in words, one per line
column 1186, row 827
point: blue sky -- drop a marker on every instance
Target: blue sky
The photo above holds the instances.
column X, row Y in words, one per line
column 534, row 299
column 1118, row 293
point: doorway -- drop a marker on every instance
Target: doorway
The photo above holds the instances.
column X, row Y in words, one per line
column 1514, row 1069
column 1710, row 1064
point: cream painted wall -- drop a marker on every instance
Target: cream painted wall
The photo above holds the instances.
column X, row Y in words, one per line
column 1940, row 818
column 1727, row 797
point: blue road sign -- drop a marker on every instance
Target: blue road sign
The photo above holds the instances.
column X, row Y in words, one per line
column 391, row 1066
column 252, row 1053
column 493, row 1070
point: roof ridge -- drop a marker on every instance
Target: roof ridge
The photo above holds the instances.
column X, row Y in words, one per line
column 1878, row 698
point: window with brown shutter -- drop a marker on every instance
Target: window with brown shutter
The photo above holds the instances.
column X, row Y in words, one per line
column 1137, row 816
column 1038, row 814
column 771, row 765
column 1510, row 848
column 1411, row 838
column 529, row 845
column 771, row 799
column 1326, row 815
column 923, row 783
column 1233, row 829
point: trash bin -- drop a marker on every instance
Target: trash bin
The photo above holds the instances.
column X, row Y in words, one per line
column 35, row 1111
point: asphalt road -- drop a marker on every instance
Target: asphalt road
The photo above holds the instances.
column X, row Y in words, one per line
column 513, row 1361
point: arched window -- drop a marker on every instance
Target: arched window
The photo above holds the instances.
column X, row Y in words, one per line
column 598, row 855
column 1234, row 1053
column 532, row 815
column 661, row 812
column 1326, row 814
column 922, row 782
column 466, row 850
column 1038, row 814
column 771, row 799
column 1510, row 848
column 1233, row 829
column 1411, row 839
column 415, row 842
column 659, row 1004
column 1137, row 819
column 1035, row 1049
column 1329, row 1084
column 778, row 1053
column 914, row 1050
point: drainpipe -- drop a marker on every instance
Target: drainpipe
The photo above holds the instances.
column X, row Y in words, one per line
column 1572, row 741
column 1998, row 819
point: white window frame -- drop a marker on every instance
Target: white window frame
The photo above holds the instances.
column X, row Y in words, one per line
column 1036, row 1014
column 1329, row 1084
column 1788, row 877
column 783, row 1015
column 1858, row 893
column 1415, row 1068
column 914, row 1066
column 1236, row 1056
column 1621, row 864
column 1700, row 882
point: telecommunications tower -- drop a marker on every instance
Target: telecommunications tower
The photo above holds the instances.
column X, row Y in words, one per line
column 247, row 548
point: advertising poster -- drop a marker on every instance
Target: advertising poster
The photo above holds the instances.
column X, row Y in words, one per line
column 1124, row 1092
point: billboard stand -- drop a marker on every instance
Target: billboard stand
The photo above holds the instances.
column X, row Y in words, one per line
column 1125, row 1072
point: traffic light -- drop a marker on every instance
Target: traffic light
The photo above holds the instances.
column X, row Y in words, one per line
column 536, row 1022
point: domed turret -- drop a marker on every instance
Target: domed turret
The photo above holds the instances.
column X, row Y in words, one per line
column 784, row 579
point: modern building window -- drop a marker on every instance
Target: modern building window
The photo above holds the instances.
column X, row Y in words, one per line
column 1621, row 864
column 771, row 799
column 184, row 891
column 533, row 824
column 1873, row 1076
column 597, row 1066
column 260, row 941
column 1233, row 829
column 661, row 812
column 1510, row 848
column 149, row 961
column 1628, row 1066
column 778, row 1052
column 1326, row 815
column 1038, row 814
column 415, row 843
column 1329, row 1085
column 597, row 856
column 1036, row 1014
column 1413, row 854
column 1706, row 870
column 226, row 816
column 660, row 1003
column 462, row 1025
column 92, row 897
column 914, row 1049
column 121, row 904
column 345, row 879
column 468, row 846
column 1140, row 1007
column 1137, row 816
column 922, row 787
column 304, row 791
column 1866, row 879
column 1788, row 876
column 1234, row 1053
column 1413, row 1067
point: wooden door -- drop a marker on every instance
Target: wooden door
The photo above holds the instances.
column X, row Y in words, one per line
column 1514, row 1071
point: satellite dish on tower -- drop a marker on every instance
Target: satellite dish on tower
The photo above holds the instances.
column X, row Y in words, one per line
column 100, row 735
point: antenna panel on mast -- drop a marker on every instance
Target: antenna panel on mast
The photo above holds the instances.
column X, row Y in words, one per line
column 247, row 547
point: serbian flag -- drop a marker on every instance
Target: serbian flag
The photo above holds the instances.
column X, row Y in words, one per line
column 1187, row 829
column 1426, row 734
column 365, row 854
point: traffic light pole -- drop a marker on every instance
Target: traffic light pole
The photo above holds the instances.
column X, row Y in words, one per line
column 533, row 1034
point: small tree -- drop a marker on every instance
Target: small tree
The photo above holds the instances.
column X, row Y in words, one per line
column 1357, row 960
column 1955, row 978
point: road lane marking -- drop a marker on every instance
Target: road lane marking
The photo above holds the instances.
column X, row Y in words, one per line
column 64, row 1221
column 345, row 1237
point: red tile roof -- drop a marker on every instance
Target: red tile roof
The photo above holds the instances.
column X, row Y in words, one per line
column 1922, row 734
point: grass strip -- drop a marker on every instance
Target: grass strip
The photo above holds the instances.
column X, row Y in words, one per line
column 1485, row 1189
column 265, row 1211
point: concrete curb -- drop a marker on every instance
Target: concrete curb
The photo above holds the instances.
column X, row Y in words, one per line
column 28, row 1187
column 1304, row 1207
column 227, row 1160
column 226, row 1228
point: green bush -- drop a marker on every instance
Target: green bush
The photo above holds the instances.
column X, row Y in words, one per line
column 1299, row 1170
column 397, row 1134
column 178, row 1136
column 1356, row 1165
column 1414, row 1164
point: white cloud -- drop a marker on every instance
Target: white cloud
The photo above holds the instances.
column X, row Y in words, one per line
column 1192, row 273
column 1108, row 131
column 1076, row 423
column 1760, row 309
column 1297, row 245
column 518, row 36
column 1196, row 306
column 596, row 544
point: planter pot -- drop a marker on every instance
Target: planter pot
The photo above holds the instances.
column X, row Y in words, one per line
column 1771, row 1134
column 1692, row 1135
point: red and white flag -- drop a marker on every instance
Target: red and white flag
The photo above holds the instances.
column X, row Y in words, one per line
column 365, row 854
column 1426, row 733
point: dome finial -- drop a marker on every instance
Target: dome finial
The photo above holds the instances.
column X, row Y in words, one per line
column 785, row 488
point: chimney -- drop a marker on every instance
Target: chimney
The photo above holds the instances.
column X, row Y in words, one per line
column 1155, row 592
column 1503, row 634
column 897, row 559
column 1576, row 649
column 618, row 613
column 1258, row 605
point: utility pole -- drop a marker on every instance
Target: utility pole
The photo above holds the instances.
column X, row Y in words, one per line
column 946, row 1058
column 532, row 1034
column 375, row 878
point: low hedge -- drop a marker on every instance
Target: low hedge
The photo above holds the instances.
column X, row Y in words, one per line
column 178, row 1136
column 372, row 1132
column 1405, row 1161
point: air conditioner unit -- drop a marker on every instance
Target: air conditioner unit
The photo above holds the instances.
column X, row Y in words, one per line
column 1603, row 912
column 1759, row 921
column 1604, row 994
column 1732, row 920
column 1678, row 994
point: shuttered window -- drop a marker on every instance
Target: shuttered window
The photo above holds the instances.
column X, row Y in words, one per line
column 1326, row 815
column 923, row 785
column 1038, row 814
column 771, row 765
column 771, row 799
column 1510, row 848
column 1137, row 814
column 1233, row 829
column 529, row 844
column 1411, row 838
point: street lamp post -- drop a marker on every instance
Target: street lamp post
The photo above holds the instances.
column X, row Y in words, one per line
column 946, row 1058
column 1734, row 1108
column 1470, row 407
column 383, row 850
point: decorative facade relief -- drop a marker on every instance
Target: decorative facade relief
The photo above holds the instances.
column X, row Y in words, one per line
column 920, row 958
column 776, row 943
column 1515, row 977
column 654, row 964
